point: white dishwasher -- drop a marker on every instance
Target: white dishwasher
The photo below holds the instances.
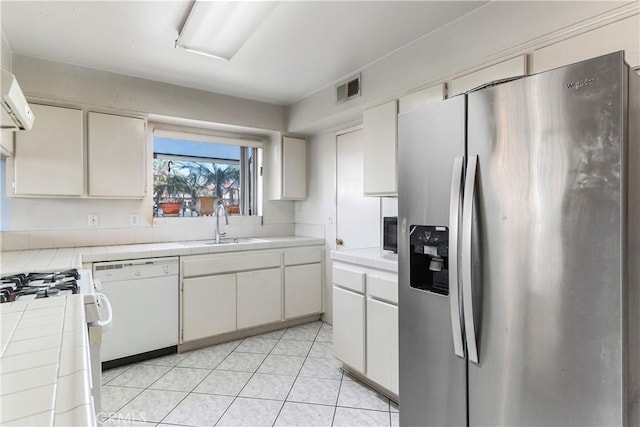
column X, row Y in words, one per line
column 144, row 296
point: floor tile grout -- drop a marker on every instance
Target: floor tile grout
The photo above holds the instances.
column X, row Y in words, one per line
column 305, row 358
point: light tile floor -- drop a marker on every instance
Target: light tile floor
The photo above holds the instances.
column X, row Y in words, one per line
column 287, row 377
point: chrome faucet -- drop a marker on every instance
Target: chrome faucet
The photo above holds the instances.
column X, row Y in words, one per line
column 226, row 221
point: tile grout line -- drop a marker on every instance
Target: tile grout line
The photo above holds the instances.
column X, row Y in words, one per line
column 189, row 393
column 297, row 375
column 307, row 356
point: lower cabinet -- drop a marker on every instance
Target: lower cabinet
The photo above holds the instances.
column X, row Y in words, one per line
column 259, row 297
column 349, row 328
column 365, row 322
column 209, row 306
column 229, row 291
column 382, row 344
column 302, row 290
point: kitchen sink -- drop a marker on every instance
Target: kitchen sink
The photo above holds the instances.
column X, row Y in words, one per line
column 224, row 241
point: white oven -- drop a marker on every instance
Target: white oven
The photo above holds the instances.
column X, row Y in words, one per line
column 99, row 316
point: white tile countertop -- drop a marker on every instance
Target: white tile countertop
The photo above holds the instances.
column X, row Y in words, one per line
column 44, row 260
column 368, row 257
column 44, row 368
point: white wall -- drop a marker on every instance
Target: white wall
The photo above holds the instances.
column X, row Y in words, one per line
column 493, row 32
column 5, row 53
column 56, row 81
column 468, row 44
column 42, row 223
column 312, row 215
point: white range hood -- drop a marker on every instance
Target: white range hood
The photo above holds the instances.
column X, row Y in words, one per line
column 16, row 114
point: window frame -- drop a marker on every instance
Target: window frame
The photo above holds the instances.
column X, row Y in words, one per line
column 251, row 148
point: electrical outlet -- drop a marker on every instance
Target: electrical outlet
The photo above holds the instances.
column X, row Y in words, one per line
column 134, row 220
column 298, row 215
column 93, row 220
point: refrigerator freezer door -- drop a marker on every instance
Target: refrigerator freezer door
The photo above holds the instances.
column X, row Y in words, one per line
column 432, row 378
column 548, row 259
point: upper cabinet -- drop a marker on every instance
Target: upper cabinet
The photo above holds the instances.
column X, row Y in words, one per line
column 513, row 67
column 116, row 156
column 380, row 129
column 380, row 134
column 6, row 142
column 287, row 168
column 48, row 159
column 619, row 35
column 420, row 98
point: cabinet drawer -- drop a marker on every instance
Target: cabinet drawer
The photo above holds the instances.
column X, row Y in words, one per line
column 303, row 256
column 348, row 279
column 382, row 288
column 202, row 266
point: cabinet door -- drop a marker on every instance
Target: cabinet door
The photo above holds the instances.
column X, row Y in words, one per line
column 49, row 159
column 348, row 328
column 117, row 165
column 510, row 68
column 420, row 98
column 259, row 297
column 6, row 142
column 620, row 35
column 208, row 306
column 294, row 168
column 302, row 290
column 382, row 344
column 380, row 149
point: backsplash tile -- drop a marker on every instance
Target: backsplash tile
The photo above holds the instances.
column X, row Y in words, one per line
column 162, row 230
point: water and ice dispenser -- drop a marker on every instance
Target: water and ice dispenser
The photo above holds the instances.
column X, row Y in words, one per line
column 429, row 258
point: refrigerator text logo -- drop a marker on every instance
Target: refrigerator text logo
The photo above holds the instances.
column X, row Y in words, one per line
column 581, row 83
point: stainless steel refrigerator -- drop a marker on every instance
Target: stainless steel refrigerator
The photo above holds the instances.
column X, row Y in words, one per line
column 519, row 252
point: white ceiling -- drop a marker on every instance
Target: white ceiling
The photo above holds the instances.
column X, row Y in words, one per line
column 300, row 48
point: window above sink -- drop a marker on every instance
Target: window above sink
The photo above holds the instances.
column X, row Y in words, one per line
column 193, row 173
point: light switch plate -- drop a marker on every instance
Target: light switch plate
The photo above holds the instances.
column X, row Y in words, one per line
column 93, row 220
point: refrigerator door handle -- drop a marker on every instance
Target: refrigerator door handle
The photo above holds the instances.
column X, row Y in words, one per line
column 454, row 283
column 466, row 260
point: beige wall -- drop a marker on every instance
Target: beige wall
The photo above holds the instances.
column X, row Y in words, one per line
column 496, row 31
column 50, row 222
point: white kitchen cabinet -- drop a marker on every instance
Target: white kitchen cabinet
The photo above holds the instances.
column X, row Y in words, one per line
column 248, row 289
column 287, row 163
column 380, row 134
column 208, row 306
column 422, row 97
column 49, row 159
column 510, row 68
column 259, row 297
column 619, row 35
column 382, row 344
column 6, row 142
column 302, row 290
column 116, row 150
column 349, row 328
column 365, row 319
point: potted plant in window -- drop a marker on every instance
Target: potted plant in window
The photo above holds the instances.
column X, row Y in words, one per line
column 169, row 188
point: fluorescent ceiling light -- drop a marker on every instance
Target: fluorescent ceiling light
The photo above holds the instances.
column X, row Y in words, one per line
column 220, row 28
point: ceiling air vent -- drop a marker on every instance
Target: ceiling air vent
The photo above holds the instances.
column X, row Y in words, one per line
column 348, row 90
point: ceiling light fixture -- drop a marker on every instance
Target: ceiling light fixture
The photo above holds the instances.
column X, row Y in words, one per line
column 220, row 28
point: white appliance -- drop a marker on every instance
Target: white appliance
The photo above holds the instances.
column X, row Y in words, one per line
column 99, row 316
column 144, row 294
column 16, row 113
